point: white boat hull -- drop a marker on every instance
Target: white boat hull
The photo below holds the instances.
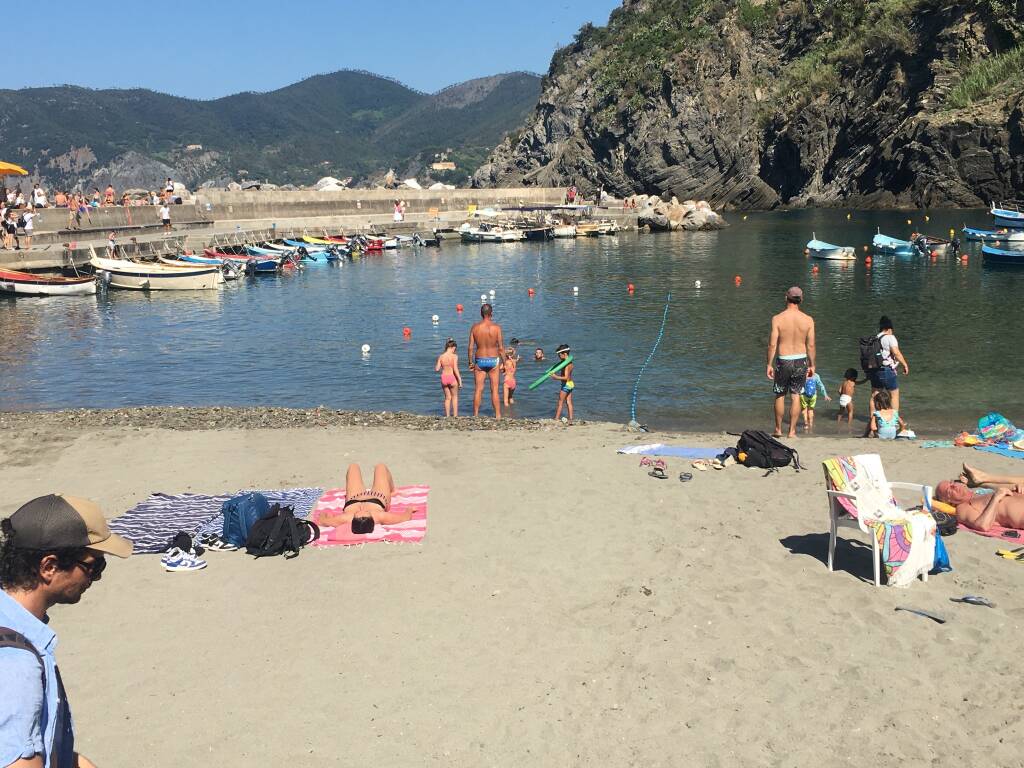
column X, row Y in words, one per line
column 844, row 253
column 39, row 289
column 142, row 277
column 567, row 231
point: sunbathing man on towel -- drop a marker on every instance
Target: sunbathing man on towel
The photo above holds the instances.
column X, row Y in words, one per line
column 1004, row 507
column 364, row 506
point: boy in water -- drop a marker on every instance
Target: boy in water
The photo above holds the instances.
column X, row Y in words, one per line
column 809, row 398
column 568, row 385
column 846, row 392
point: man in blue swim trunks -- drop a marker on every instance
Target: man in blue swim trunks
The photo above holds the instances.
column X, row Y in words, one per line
column 790, row 358
column 486, row 351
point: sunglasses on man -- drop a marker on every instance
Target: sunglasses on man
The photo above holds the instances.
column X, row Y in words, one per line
column 93, row 568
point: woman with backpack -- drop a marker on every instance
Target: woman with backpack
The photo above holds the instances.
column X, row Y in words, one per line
column 884, row 377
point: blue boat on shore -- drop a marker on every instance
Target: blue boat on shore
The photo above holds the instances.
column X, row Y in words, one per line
column 1007, row 217
column 993, row 255
column 892, row 246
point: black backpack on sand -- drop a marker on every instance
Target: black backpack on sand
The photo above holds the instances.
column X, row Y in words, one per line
column 279, row 532
column 871, row 353
column 766, row 452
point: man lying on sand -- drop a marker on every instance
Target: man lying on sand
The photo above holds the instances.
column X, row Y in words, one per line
column 1004, row 507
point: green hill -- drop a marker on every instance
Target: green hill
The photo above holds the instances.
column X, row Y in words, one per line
column 341, row 124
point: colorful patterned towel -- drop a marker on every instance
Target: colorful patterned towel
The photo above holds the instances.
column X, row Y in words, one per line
column 153, row 522
column 677, row 451
column 409, row 497
column 906, row 538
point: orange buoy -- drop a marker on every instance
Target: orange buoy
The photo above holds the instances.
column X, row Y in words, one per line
column 909, row 221
column 630, row 288
column 935, row 254
column 458, row 307
column 964, row 258
column 814, row 269
column 530, row 292
column 737, row 279
column 407, row 331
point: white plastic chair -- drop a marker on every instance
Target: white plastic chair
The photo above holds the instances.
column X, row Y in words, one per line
column 839, row 517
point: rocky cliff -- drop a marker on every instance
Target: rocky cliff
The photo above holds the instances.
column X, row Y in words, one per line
column 802, row 102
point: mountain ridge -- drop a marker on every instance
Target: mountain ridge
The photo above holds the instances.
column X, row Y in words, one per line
column 323, row 125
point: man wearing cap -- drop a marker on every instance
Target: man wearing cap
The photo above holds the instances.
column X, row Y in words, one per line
column 790, row 358
column 52, row 550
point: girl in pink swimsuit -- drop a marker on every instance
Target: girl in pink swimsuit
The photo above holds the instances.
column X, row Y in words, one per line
column 509, row 366
column 451, row 379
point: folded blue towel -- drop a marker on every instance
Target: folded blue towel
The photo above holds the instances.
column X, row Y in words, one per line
column 1002, row 450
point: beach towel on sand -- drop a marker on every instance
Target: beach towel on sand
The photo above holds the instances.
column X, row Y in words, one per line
column 906, row 538
column 153, row 522
column 1001, row 450
column 406, row 498
column 677, row 451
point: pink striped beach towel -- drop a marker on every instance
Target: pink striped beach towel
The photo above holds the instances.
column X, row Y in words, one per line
column 408, row 497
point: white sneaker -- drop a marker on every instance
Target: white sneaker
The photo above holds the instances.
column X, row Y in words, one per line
column 179, row 560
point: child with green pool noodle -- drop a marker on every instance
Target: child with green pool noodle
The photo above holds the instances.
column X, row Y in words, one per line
column 568, row 385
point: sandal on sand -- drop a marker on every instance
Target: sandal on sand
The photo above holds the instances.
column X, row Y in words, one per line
column 701, row 464
column 685, row 477
column 647, row 461
column 658, row 472
column 1012, row 554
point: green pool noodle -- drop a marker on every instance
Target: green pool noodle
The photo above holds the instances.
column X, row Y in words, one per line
column 553, row 369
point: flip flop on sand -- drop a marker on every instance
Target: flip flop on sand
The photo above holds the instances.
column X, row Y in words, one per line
column 927, row 614
column 702, row 465
column 658, row 472
column 973, row 600
column 1012, row 554
column 647, row 461
column 685, row 477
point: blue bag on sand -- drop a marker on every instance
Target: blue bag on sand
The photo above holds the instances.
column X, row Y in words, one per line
column 941, row 564
column 240, row 513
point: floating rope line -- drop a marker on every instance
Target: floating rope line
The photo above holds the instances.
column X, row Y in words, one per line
column 633, row 423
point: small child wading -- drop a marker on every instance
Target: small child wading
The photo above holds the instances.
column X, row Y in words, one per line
column 451, row 379
column 568, row 385
column 885, row 421
column 809, row 398
column 846, row 392
column 509, row 367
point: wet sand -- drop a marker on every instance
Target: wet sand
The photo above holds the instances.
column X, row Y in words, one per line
column 564, row 608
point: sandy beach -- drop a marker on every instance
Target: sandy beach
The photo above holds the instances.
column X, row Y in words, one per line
column 564, row 608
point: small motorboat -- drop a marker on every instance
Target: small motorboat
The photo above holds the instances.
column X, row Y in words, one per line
column 819, row 249
column 120, row 273
column 1007, row 217
column 891, row 246
column 434, row 241
column 27, row 284
column 993, row 255
column 928, row 245
column 564, row 230
column 539, row 233
column 230, row 269
column 993, row 235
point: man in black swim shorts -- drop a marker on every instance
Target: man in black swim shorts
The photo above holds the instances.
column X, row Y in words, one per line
column 790, row 358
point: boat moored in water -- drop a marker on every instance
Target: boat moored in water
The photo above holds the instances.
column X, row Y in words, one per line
column 819, row 249
column 1007, row 217
column 993, row 235
column 120, row 273
column 27, row 284
column 890, row 246
column 993, row 255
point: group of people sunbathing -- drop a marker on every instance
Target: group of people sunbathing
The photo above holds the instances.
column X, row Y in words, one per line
column 983, row 511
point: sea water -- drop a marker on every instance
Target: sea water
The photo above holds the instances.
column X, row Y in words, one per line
column 296, row 339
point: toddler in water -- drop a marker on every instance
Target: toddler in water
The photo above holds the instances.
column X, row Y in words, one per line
column 451, row 379
column 846, row 392
column 568, row 385
column 509, row 366
column 885, row 422
column 809, row 398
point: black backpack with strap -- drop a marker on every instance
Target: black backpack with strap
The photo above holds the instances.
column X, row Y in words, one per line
column 279, row 532
column 871, row 353
column 11, row 638
column 764, row 451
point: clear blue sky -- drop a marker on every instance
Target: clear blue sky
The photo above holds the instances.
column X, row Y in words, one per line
column 218, row 47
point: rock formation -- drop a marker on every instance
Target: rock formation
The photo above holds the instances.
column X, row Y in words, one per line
column 757, row 104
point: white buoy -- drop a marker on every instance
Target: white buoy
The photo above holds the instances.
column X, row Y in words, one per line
column 575, row 289
column 434, row 319
column 491, row 291
column 366, row 349
column 696, row 283
column 483, row 297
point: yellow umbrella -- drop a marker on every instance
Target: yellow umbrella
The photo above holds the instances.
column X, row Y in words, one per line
column 10, row 169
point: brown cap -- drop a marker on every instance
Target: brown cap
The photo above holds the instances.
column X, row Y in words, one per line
column 57, row 521
column 794, row 293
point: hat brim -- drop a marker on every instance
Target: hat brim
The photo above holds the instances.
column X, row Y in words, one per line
column 115, row 545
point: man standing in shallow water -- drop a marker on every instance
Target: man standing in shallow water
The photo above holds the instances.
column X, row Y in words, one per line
column 790, row 357
column 486, row 351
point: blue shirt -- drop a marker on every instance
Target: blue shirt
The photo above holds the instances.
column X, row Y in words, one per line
column 813, row 386
column 33, row 720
